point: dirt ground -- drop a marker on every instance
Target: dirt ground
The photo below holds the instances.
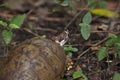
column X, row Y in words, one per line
column 42, row 20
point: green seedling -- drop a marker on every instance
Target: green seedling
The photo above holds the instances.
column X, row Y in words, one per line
column 79, row 74
column 15, row 23
column 95, row 3
column 69, row 50
column 113, row 42
column 85, row 26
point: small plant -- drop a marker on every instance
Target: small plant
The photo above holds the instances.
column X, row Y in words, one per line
column 85, row 25
column 97, row 3
column 114, row 43
column 69, row 50
column 15, row 23
column 79, row 74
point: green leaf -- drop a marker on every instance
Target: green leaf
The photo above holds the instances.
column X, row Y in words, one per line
column 70, row 54
column 92, row 4
column 102, row 4
column 64, row 79
column 110, row 42
column 102, row 53
column 18, row 20
column 119, row 54
column 78, row 74
column 91, row 1
column 116, row 76
column 3, row 23
column 14, row 26
column 117, row 45
column 67, row 3
column 87, row 18
column 7, row 36
column 118, row 39
column 85, row 30
column 74, row 49
column 113, row 36
column 58, row 1
column 104, row 13
column 70, row 48
column 66, row 49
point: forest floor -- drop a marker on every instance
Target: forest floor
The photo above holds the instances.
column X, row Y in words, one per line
column 43, row 20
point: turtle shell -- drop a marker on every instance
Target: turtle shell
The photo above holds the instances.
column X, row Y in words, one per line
column 34, row 59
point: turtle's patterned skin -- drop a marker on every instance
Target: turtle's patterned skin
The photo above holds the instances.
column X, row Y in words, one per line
column 34, row 59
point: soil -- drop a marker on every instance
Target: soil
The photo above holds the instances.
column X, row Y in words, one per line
column 42, row 20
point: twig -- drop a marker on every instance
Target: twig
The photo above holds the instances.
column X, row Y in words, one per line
column 77, row 14
column 92, row 46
